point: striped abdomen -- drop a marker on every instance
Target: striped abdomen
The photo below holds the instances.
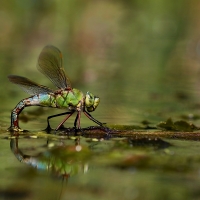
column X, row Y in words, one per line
column 61, row 99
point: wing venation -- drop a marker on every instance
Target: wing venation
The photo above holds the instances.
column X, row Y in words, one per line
column 29, row 86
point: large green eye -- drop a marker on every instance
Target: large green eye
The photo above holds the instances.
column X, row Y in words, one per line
column 91, row 102
column 89, row 99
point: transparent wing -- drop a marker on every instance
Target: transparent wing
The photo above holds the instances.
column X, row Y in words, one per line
column 50, row 64
column 29, row 86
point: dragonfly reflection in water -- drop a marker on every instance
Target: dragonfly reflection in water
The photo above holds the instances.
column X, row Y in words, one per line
column 60, row 160
column 50, row 64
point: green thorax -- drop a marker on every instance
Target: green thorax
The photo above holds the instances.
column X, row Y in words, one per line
column 68, row 98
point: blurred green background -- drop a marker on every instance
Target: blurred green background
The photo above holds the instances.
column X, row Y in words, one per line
column 140, row 57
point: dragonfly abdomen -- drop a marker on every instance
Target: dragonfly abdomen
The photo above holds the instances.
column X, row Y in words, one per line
column 36, row 100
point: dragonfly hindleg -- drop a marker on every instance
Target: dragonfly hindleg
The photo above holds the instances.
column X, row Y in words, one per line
column 67, row 117
column 52, row 116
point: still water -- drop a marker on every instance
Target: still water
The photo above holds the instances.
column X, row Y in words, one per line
column 36, row 165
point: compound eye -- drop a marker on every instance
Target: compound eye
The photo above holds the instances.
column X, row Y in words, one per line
column 89, row 99
column 91, row 102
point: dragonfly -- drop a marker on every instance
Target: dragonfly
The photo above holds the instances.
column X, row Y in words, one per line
column 50, row 63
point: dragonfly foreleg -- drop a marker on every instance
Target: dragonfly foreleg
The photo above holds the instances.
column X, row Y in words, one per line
column 92, row 118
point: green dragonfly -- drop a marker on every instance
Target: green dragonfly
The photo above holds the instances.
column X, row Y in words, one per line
column 66, row 97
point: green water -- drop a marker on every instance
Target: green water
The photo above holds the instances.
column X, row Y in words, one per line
column 142, row 60
column 117, row 168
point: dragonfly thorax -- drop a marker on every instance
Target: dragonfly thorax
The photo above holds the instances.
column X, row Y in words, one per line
column 71, row 99
column 91, row 102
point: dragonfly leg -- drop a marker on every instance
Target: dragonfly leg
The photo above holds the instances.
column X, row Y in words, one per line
column 76, row 120
column 78, row 117
column 67, row 117
column 52, row 116
column 92, row 118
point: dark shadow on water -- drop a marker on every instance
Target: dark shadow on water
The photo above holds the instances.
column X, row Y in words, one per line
column 156, row 143
column 14, row 193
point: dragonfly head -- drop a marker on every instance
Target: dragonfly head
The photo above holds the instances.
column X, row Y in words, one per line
column 91, row 102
